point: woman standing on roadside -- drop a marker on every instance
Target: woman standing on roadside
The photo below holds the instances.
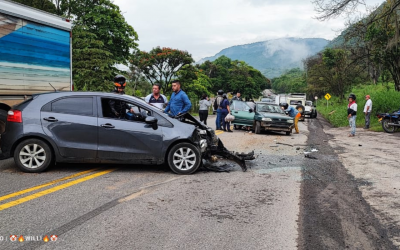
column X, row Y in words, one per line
column 352, row 114
column 224, row 112
column 203, row 109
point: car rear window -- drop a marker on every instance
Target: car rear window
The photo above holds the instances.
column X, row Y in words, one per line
column 71, row 105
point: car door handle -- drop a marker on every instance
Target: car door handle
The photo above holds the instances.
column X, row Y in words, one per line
column 50, row 119
column 107, row 125
column 235, row 112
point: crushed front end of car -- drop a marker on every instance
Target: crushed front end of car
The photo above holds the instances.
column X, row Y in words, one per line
column 211, row 146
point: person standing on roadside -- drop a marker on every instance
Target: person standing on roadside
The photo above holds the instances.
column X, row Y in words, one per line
column 352, row 114
column 292, row 112
column 203, row 109
column 225, row 110
column 179, row 102
column 236, row 97
column 217, row 108
column 157, row 99
column 367, row 111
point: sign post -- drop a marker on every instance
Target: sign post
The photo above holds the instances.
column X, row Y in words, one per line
column 316, row 100
column 327, row 97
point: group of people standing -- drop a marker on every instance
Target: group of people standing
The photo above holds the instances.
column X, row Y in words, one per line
column 179, row 102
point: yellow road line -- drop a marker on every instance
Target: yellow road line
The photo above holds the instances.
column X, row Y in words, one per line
column 218, row 133
column 8, row 196
column 52, row 190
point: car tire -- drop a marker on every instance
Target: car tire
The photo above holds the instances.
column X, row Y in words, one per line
column 33, row 156
column 177, row 161
column 3, row 119
column 300, row 108
column 257, row 128
column 288, row 132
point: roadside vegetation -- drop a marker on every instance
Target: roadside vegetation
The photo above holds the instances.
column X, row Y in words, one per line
column 384, row 99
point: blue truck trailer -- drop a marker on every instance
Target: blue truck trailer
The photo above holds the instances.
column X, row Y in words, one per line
column 35, row 51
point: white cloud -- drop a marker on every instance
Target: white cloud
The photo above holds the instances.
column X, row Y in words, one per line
column 204, row 28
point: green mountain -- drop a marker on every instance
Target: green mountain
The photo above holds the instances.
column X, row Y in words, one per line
column 274, row 57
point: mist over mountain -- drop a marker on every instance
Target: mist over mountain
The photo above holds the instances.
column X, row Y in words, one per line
column 274, row 57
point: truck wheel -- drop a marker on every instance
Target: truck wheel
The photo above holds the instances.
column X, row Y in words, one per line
column 184, row 158
column 33, row 156
column 257, row 129
column 3, row 119
column 387, row 127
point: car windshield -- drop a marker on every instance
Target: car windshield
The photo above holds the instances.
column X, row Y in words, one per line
column 263, row 107
column 240, row 106
column 295, row 102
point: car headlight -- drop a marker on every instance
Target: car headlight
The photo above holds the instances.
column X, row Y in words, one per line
column 203, row 145
column 290, row 121
column 267, row 119
column 203, row 132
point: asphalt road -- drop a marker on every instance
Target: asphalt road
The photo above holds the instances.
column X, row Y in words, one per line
column 284, row 201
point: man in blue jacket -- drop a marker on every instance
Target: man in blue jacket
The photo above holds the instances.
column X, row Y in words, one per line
column 179, row 102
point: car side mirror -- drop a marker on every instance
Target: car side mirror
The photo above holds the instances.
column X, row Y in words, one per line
column 151, row 121
column 251, row 110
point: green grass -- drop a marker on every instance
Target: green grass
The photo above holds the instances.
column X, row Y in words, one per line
column 384, row 99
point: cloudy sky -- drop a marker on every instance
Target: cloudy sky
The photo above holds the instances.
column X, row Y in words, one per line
column 205, row 27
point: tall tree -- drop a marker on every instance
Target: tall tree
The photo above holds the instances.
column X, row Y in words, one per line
column 104, row 19
column 92, row 67
column 161, row 65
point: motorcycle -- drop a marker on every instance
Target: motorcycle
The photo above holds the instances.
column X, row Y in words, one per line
column 390, row 121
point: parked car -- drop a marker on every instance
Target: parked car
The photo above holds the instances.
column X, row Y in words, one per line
column 243, row 113
column 310, row 110
column 265, row 116
column 79, row 127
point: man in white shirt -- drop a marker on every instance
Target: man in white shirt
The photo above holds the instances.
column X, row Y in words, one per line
column 367, row 111
column 156, row 98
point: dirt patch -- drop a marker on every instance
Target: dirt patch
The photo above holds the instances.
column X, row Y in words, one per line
column 334, row 214
column 373, row 159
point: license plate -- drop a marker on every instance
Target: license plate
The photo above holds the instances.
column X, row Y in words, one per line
column 380, row 119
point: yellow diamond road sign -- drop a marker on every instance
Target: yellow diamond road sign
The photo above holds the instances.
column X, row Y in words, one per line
column 327, row 96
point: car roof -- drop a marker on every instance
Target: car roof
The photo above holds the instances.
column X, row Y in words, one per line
column 269, row 103
column 82, row 93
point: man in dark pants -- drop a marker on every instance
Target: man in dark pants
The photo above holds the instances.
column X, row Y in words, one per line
column 218, row 101
column 367, row 111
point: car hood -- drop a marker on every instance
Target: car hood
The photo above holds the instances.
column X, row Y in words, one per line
column 274, row 115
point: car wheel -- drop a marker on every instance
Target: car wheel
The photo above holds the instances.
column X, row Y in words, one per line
column 288, row 132
column 33, row 156
column 3, row 119
column 184, row 158
column 257, row 129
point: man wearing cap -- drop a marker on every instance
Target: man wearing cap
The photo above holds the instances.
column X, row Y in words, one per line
column 367, row 111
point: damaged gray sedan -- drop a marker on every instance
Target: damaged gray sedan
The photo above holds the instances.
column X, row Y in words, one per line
column 79, row 127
